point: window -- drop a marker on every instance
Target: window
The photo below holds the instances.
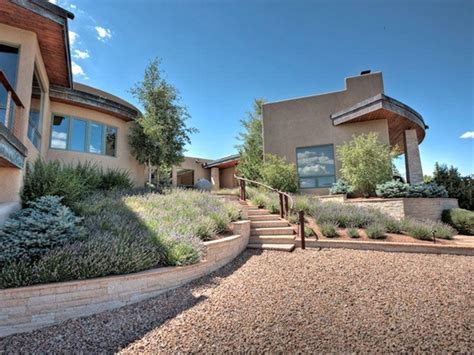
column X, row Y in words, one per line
column 78, row 135
column 34, row 121
column 8, row 64
column 110, row 141
column 81, row 135
column 59, row 132
column 316, row 166
column 185, row 177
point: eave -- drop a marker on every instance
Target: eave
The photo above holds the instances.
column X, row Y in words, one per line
column 399, row 116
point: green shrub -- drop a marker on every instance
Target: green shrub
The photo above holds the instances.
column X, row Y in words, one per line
column 365, row 162
column 293, row 218
column 418, row 229
column 443, row 231
column 460, row 187
column 392, row 225
column 302, row 203
column 115, row 179
column 279, row 174
column 353, row 232
column 309, row 232
column 392, row 189
column 341, row 187
column 73, row 182
column 52, row 178
column 375, row 231
column 233, row 212
column 328, row 229
column 462, row 220
column 221, row 221
column 260, row 200
column 34, row 230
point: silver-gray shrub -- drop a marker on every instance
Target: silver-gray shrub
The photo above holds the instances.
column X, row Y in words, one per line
column 31, row 232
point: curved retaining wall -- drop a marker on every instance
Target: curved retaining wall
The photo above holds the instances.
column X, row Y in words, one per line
column 28, row 308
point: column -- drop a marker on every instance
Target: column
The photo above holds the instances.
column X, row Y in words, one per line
column 414, row 171
column 215, row 179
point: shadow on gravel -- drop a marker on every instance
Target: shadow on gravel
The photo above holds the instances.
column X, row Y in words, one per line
column 113, row 330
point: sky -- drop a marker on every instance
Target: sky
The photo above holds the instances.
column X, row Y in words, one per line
column 222, row 54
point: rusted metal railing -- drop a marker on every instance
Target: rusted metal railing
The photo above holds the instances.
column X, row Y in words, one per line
column 286, row 201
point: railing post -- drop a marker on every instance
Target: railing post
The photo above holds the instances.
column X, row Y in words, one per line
column 286, row 206
column 7, row 108
column 302, row 236
column 244, row 194
column 281, row 204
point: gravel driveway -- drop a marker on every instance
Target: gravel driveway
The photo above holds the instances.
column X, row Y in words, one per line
column 307, row 301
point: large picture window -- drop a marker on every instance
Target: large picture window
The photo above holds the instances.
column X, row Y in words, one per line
column 70, row 133
column 316, row 166
column 8, row 64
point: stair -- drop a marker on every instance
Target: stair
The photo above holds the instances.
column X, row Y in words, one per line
column 268, row 231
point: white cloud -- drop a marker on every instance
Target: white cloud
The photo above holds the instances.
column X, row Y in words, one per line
column 467, row 134
column 72, row 37
column 53, row 1
column 103, row 33
column 72, row 6
column 77, row 70
column 78, row 54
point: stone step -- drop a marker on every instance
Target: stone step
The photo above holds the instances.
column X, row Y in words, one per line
column 271, row 223
column 272, row 231
column 272, row 239
column 250, row 208
column 257, row 212
column 265, row 217
column 278, row 247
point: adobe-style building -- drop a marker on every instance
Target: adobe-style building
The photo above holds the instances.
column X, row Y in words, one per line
column 219, row 172
column 43, row 113
column 307, row 130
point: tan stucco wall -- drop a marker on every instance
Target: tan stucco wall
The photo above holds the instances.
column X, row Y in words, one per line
column 226, row 178
column 306, row 121
column 190, row 163
column 30, row 58
column 26, row 308
column 123, row 160
column 11, row 179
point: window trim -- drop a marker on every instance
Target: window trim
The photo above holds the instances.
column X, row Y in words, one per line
column 15, row 86
column 315, row 177
column 41, row 109
column 87, row 138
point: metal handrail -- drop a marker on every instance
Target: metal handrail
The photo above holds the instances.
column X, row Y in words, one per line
column 268, row 187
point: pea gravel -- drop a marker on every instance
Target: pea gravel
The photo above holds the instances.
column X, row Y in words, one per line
column 306, row 301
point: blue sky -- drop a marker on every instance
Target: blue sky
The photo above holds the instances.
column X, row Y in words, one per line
column 222, row 54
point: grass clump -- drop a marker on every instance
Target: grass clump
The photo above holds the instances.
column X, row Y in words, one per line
column 329, row 229
column 309, row 232
column 418, row 230
column 443, row 231
column 376, row 231
column 353, row 232
column 462, row 220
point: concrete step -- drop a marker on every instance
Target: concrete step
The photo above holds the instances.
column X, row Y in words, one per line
column 272, row 231
column 250, row 208
column 257, row 212
column 272, row 239
column 268, row 224
column 278, row 247
column 265, row 217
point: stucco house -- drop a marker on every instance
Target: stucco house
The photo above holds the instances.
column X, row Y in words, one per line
column 219, row 172
column 307, row 130
column 43, row 112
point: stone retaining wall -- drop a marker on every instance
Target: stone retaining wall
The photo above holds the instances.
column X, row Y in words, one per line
column 414, row 207
column 27, row 308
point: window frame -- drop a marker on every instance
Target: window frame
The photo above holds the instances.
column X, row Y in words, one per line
column 87, row 138
column 315, row 177
column 39, row 130
column 11, row 121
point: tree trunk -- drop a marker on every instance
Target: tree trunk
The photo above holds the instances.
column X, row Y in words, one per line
column 149, row 173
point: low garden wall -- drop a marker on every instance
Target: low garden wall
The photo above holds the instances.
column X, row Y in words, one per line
column 28, row 308
column 414, row 207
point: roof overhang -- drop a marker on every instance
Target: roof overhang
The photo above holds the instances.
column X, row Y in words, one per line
column 50, row 23
column 223, row 163
column 93, row 102
column 399, row 116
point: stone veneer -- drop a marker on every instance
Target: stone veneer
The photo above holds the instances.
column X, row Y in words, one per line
column 28, row 308
column 414, row 207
